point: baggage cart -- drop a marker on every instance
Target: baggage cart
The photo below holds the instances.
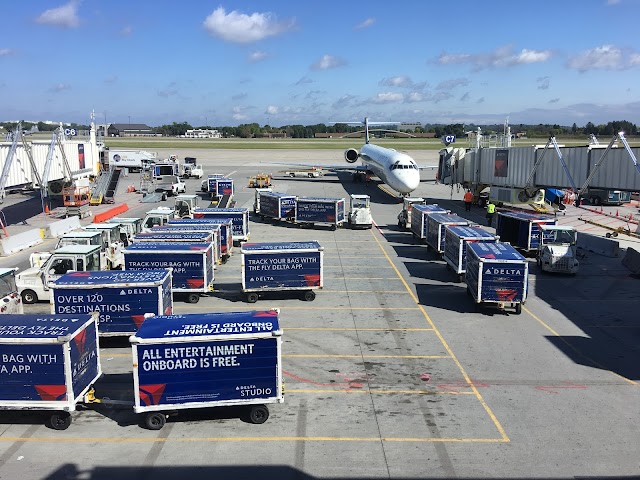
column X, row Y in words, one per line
column 497, row 274
column 121, row 298
column 212, row 237
column 220, row 186
column 320, row 211
column 455, row 245
column 205, row 225
column 277, row 206
column 238, row 216
column 205, row 360
column 48, row 363
column 435, row 229
column 281, row 267
column 191, row 264
column 522, row 229
column 420, row 214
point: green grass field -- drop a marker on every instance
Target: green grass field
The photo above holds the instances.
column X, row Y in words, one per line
column 310, row 144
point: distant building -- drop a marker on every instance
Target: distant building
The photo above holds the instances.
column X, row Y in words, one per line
column 409, row 126
column 130, row 130
column 202, row 133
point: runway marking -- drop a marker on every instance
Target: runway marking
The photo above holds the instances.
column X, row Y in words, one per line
column 467, row 379
column 583, row 355
column 91, row 440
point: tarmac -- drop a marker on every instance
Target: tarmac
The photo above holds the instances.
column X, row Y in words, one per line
column 391, row 372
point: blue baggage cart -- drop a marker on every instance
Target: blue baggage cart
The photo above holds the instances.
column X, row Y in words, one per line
column 435, row 230
column 204, row 224
column 238, row 216
column 455, row 245
column 419, row 216
column 522, row 229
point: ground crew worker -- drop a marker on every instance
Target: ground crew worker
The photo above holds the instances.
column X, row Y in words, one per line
column 468, row 198
column 491, row 210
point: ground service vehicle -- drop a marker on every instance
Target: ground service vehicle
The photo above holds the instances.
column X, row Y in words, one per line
column 185, row 204
column 557, row 249
column 262, row 180
column 171, row 184
column 135, row 160
column 157, row 217
column 113, row 244
column 76, row 237
column 205, row 360
column 129, row 226
column 599, row 196
column 360, row 211
column 10, row 300
column 34, row 284
column 404, row 217
column 313, row 172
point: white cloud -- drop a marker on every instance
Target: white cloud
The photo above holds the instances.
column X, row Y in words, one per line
column 413, row 97
column 501, row 57
column 367, row 23
column 402, row 81
column 238, row 114
column 344, row 101
column 453, row 83
column 272, row 110
column 257, row 56
column 238, row 27
column 304, row 80
column 543, row 83
column 5, row 52
column 328, row 62
column 65, row 16
column 388, row 97
column 60, row 87
column 604, row 57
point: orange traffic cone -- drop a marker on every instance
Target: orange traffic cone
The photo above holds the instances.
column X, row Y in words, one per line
column 46, row 208
column 617, row 214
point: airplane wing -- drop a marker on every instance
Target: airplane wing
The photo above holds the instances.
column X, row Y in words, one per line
column 427, row 167
column 330, row 168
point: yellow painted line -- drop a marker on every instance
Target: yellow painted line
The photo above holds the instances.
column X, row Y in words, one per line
column 467, row 379
column 355, row 329
column 92, row 440
column 377, row 392
column 311, row 355
column 597, row 364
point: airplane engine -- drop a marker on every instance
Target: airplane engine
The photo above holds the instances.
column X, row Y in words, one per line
column 351, row 155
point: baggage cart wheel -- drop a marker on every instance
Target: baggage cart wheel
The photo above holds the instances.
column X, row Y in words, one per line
column 518, row 308
column 252, row 297
column 193, row 298
column 60, row 420
column 309, row 296
column 258, row 414
column 155, row 420
column 333, row 227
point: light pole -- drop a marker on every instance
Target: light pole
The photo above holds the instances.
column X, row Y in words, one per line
column 129, row 125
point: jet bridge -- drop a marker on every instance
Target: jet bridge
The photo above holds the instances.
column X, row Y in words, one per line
column 530, row 168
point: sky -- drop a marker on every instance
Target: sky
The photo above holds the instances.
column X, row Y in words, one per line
column 285, row 62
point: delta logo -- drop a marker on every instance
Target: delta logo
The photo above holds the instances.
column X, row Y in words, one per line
column 503, row 271
column 151, row 394
column 52, row 393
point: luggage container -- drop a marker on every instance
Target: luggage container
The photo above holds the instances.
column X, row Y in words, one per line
column 522, row 229
column 238, row 216
column 49, row 363
column 220, row 186
column 456, row 238
column 277, row 206
column 320, row 211
column 121, row 298
column 497, row 273
column 419, row 216
column 208, row 224
column 212, row 237
column 9, row 297
column 207, row 360
column 435, row 229
column 191, row 264
column 281, row 267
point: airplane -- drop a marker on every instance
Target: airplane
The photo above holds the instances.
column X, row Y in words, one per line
column 396, row 169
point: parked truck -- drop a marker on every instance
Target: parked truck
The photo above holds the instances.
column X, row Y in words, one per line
column 320, row 211
column 557, row 249
column 134, row 160
column 121, row 298
column 10, row 300
column 282, row 267
column 206, row 360
column 497, row 274
column 192, row 265
column 34, row 284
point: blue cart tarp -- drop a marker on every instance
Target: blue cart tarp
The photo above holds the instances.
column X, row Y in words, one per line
column 238, row 216
column 205, row 224
column 419, row 216
column 522, row 229
column 191, row 264
column 207, row 360
column 455, row 244
column 497, row 273
column 435, row 230
column 121, row 297
column 48, row 362
column 282, row 266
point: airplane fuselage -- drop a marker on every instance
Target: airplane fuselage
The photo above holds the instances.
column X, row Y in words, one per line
column 396, row 169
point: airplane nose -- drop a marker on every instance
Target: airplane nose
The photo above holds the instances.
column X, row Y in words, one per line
column 413, row 181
